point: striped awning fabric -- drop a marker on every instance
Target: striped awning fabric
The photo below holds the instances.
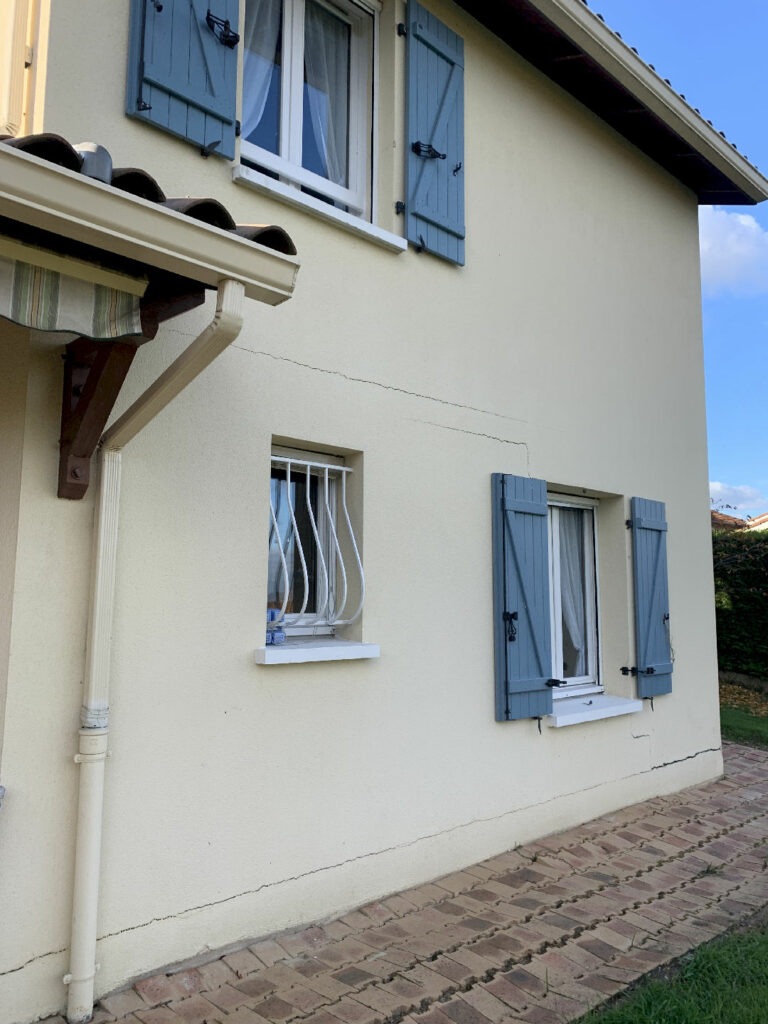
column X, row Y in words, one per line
column 50, row 301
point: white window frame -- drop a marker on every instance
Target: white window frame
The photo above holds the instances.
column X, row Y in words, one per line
column 589, row 683
column 362, row 108
column 332, row 521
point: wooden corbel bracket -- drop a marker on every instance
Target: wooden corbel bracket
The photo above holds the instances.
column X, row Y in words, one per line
column 94, row 372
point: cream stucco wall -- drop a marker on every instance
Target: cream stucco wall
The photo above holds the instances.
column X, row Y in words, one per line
column 242, row 800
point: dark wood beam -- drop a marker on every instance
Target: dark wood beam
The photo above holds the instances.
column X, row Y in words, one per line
column 94, row 372
column 163, row 300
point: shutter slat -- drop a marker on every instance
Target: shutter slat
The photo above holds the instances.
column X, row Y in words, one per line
column 435, row 116
column 186, row 78
column 521, row 584
column 649, row 548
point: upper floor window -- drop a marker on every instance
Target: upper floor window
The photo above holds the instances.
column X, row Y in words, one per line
column 308, row 96
column 308, row 114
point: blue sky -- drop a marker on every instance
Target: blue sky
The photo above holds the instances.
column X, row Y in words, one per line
column 714, row 52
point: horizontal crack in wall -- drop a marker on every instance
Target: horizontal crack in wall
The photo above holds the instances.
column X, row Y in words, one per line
column 378, row 384
column 376, row 853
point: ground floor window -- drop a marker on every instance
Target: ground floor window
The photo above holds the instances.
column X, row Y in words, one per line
column 315, row 577
column 573, row 594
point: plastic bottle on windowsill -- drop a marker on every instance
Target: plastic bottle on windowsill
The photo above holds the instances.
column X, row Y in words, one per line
column 276, row 634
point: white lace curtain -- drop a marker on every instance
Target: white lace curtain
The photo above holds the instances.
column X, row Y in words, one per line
column 326, row 76
column 326, row 72
column 572, row 587
column 260, row 36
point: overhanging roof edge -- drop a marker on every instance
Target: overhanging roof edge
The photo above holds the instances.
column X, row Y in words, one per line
column 82, row 209
column 575, row 22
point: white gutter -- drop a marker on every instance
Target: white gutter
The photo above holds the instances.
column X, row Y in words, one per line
column 94, row 716
column 47, row 196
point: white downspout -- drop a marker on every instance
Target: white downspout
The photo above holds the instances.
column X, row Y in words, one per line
column 94, row 715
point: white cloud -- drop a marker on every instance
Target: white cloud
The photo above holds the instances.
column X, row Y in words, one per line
column 739, row 497
column 734, row 252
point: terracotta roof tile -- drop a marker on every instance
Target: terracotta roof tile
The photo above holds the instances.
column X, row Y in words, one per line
column 94, row 161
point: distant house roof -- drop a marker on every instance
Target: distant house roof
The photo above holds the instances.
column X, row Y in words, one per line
column 758, row 522
column 720, row 521
column 576, row 49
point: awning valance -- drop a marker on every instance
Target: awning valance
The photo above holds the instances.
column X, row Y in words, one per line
column 47, row 300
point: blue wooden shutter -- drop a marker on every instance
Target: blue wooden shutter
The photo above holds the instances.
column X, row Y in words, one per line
column 181, row 78
column 521, row 589
column 649, row 548
column 434, row 205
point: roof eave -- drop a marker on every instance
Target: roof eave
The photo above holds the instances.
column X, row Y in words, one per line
column 75, row 207
column 724, row 175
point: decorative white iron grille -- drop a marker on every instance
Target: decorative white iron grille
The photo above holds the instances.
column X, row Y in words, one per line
column 315, row 571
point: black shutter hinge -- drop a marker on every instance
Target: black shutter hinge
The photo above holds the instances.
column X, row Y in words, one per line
column 401, row 29
column 510, row 618
column 625, row 671
column 629, row 524
column 157, row 5
column 238, row 129
column 538, row 722
column 222, row 30
column 427, row 150
column 556, row 682
column 399, row 206
column 207, row 149
column 142, row 105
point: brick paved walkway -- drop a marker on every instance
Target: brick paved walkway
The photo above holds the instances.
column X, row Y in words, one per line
column 540, row 934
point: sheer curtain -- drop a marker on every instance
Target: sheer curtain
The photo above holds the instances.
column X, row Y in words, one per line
column 326, row 76
column 572, row 591
column 260, row 39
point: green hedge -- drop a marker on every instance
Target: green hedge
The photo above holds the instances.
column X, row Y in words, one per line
column 741, row 601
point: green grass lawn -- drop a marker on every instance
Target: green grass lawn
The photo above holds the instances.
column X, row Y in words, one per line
column 725, row 982
column 742, row 727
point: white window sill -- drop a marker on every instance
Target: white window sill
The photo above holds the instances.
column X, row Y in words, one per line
column 575, row 710
column 575, row 690
column 243, row 175
column 299, row 649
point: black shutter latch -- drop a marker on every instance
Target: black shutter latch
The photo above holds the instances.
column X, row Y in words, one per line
column 625, row 671
column 510, row 618
column 556, row 682
column 222, row 30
